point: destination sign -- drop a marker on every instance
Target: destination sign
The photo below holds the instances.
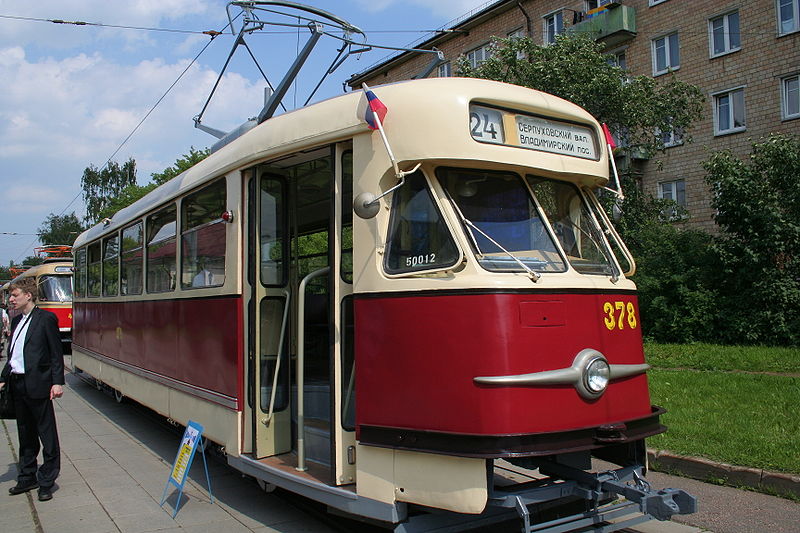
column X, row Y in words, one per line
column 556, row 137
column 495, row 126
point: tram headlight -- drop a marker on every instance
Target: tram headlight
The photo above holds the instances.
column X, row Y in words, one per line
column 596, row 376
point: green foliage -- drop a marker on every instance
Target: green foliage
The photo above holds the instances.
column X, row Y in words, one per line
column 101, row 186
column 181, row 164
column 575, row 68
column 703, row 356
column 126, row 197
column 700, row 407
column 60, row 229
column 108, row 190
column 757, row 206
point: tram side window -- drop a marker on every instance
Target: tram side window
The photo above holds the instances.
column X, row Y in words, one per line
column 161, row 253
column 93, row 270
column 203, row 237
column 131, row 260
column 80, row 272
column 110, row 265
column 573, row 225
column 418, row 238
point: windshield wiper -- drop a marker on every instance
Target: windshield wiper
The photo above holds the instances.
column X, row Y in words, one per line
column 532, row 274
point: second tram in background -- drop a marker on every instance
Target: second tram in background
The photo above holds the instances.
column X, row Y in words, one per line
column 54, row 280
column 467, row 342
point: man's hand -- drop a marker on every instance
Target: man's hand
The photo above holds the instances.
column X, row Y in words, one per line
column 56, row 391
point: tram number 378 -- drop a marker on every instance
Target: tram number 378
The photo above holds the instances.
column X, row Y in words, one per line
column 618, row 315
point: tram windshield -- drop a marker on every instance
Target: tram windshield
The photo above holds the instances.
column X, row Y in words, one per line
column 502, row 220
column 502, row 215
column 574, row 225
column 55, row 288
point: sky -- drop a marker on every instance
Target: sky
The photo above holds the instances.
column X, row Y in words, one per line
column 72, row 94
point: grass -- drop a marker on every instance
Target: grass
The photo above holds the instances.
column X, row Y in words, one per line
column 730, row 358
column 737, row 418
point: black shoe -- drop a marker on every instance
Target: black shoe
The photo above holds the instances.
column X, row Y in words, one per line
column 22, row 488
column 45, row 494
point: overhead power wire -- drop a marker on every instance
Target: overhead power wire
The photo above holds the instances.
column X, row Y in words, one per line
column 99, row 24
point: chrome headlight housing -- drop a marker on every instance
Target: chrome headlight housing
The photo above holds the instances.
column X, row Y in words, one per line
column 595, row 373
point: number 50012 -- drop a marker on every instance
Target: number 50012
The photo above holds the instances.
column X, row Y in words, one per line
column 417, row 260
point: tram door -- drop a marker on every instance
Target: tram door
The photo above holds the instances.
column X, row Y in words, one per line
column 299, row 260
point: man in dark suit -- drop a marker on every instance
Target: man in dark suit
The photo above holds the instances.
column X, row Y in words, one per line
column 35, row 373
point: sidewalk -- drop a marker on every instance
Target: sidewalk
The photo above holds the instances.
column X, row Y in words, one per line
column 113, row 476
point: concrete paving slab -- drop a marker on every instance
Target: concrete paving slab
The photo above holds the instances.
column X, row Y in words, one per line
column 84, row 519
column 145, row 522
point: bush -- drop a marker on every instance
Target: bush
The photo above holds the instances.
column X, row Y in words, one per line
column 757, row 206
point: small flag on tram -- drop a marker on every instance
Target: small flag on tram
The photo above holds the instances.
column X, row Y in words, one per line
column 376, row 110
column 609, row 138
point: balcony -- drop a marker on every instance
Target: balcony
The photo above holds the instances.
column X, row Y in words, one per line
column 612, row 26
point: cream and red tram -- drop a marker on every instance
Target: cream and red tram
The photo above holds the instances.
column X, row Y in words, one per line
column 54, row 281
column 474, row 320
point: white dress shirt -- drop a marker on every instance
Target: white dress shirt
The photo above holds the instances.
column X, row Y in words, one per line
column 18, row 343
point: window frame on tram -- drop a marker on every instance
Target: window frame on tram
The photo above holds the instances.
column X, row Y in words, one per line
column 101, row 272
column 110, row 269
column 132, row 242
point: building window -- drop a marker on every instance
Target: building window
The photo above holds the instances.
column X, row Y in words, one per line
column 724, row 36
column 791, row 97
column 729, row 112
column 672, row 137
column 553, row 25
column 617, row 59
column 519, row 33
column 676, row 192
column 666, row 56
column 788, row 16
column 445, row 70
column 594, row 4
column 479, row 55
column 656, row 2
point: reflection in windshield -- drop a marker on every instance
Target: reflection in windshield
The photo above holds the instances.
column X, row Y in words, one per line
column 55, row 288
column 573, row 225
column 500, row 205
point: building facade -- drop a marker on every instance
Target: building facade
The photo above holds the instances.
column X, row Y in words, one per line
column 744, row 56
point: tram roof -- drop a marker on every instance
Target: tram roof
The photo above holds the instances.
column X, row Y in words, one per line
column 339, row 118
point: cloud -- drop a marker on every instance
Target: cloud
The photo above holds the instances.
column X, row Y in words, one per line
column 139, row 13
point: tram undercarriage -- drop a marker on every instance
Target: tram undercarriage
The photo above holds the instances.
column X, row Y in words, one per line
column 549, row 497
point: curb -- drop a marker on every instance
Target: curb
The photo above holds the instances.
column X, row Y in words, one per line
column 705, row 469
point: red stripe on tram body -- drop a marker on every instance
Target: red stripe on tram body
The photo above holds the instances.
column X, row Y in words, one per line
column 196, row 341
column 416, row 358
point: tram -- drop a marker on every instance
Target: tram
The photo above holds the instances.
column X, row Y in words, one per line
column 435, row 316
column 54, row 281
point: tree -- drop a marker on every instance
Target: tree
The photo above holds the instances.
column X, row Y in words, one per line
column 126, row 197
column 757, row 205
column 182, row 164
column 63, row 229
column 636, row 108
column 101, row 186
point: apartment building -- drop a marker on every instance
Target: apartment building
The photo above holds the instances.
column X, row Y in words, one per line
column 744, row 55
